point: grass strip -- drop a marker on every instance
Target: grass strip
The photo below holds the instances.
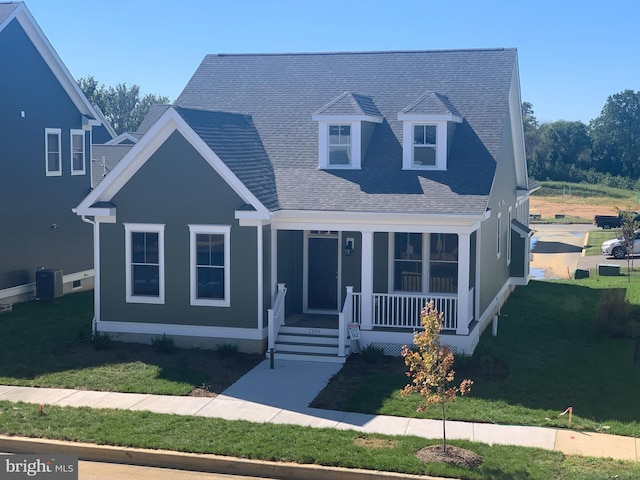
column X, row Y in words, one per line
column 290, row 443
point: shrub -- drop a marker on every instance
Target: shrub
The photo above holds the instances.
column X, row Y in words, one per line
column 372, row 353
column 163, row 344
column 614, row 314
column 101, row 341
column 227, row 350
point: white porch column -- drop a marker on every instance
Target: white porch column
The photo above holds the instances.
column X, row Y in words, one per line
column 366, row 282
column 274, row 264
column 464, row 257
column 260, row 255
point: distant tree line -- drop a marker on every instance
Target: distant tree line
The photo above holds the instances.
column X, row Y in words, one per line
column 121, row 105
column 606, row 151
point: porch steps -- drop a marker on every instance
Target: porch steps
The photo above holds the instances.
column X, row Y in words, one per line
column 308, row 344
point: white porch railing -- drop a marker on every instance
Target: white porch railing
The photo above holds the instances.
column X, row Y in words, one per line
column 396, row 310
column 346, row 315
column 275, row 315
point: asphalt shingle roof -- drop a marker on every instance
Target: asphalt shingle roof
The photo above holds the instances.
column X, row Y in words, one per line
column 350, row 104
column 104, row 158
column 281, row 92
column 233, row 137
column 6, row 9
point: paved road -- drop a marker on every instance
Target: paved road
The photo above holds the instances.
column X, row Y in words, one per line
column 557, row 250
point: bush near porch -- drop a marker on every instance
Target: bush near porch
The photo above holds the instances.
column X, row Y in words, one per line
column 547, row 356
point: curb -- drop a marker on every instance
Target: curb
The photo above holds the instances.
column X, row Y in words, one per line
column 195, row 462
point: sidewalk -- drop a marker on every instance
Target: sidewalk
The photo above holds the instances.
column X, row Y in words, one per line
column 282, row 395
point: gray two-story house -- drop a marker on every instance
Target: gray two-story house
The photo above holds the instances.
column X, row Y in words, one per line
column 291, row 201
column 45, row 163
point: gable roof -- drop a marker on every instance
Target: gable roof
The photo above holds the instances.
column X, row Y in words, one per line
column 245, row 166
column 154, row 113
column 431, row 103
column 18, row 11
column 281, row 92
column 350, row 104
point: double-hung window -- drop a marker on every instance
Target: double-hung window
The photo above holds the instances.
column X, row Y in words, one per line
column 424, row 145
column 77, row 153
column 53, row 149
column 144, row 257
column 210, row 265
column 339, row 145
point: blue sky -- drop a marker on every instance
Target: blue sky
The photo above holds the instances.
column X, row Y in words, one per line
column 572, row 54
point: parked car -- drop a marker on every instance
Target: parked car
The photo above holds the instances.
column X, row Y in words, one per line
column 612, row 221
column 615, row 247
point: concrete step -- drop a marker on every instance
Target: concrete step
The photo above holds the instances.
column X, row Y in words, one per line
column 329, row 332
column 303, row 338
column 297, row 347
column 308, row 357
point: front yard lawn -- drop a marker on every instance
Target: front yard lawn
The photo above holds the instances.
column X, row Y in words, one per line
column 545, row 358
column 48, row 344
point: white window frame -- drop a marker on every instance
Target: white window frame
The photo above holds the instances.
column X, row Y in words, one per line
column 224, row 230
column 130, row 228
column 498, row 235
column 47, row 132
column 355, row 147
column 77, row 133
column 408, row 147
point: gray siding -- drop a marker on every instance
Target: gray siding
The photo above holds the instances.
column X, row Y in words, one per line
column 177, row 187
column 494, row 272
column 290, row 268
column 30, row 202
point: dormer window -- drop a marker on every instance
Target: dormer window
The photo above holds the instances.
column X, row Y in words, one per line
column 344, row 128
column 427, row 130
column 339, row 145
column 425, row 145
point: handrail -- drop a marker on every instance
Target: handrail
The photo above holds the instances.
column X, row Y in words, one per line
column 346, row 313
column 276, row 315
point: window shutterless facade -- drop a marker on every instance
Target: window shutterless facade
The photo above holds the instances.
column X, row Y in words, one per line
column 144, row 258
column 339, row 145
column 53, row 150
column 77, row 153
column 210, row 265
column 424, row 145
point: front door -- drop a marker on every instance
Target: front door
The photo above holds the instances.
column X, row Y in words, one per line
column 322, row 273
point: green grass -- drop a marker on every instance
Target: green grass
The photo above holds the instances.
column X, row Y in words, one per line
column 290, row 443
column 47, row 344
column 596, row 237
column 566, row 190
column 546, row 338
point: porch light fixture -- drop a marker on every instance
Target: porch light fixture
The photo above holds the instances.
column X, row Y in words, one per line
column 348, row 247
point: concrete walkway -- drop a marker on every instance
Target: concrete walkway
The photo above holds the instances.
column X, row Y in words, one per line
column 282, row 395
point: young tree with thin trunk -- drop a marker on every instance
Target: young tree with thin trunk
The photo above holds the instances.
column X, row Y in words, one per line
column 627, row 232
column 431, row 367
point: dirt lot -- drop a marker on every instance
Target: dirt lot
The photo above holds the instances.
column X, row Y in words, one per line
column 549, row 209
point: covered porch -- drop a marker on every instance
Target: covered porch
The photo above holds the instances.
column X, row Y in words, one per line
column 377, row 280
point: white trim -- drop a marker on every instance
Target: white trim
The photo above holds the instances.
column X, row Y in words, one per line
column 119, row 139
column 130, row 228
column 346, row 118
column 422, row 118
column 51, row 58
column 225, row 231
column 355, row 147
column 47, row 132
column 80, row 133
column 509, row 218
column 499, row 235
column 260, row 247
column 182, row 330
column 408, row 146
column 153, row 139
column 274, row 264
column 366, row 279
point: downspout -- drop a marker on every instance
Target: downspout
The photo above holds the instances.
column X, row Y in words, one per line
column 96, row 272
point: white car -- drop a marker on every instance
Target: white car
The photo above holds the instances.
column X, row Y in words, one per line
column 615, row 247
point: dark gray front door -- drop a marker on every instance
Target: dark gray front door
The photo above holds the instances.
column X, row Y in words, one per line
column 322, row 284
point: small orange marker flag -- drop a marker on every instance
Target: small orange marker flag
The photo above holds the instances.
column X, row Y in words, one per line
column 569, row 410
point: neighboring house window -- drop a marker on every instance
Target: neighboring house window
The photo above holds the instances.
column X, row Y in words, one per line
column 407, row 262
column 339, row 145
column 443, row 263
column 424, row 145
column 144, row 257
column 509, row 237
column 77, row 153
column 53, row 151
column 498, row 235
column 210, row 265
